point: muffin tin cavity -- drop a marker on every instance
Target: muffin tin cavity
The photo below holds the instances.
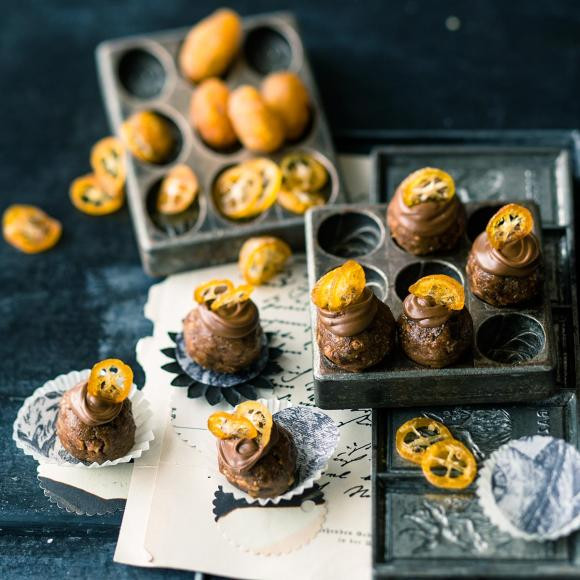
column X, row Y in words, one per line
column 143, row 74
column 512, row 358
column 350, row 234
column 478, row 220
column 511, row 338
column 178, row 224
column 267, row 49
column 377, row 282
column 411, row 273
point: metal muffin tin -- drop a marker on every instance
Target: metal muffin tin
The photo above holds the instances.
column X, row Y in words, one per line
column 141, row 73
column 422, row 531
column 486, row 175
column 513, row 358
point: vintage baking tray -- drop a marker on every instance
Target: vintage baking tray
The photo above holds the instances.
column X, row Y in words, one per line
column 421, row 531
column 139, row 73
column 390, row 271
column 513, row 358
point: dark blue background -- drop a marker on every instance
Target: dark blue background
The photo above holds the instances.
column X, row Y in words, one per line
column 379, row 65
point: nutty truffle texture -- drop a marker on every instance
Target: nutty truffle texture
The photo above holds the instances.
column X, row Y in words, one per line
column 272, row 475
column 99, row 443
column 363, row 350
column 438, row 346
column 219, row 353
column 502, row 290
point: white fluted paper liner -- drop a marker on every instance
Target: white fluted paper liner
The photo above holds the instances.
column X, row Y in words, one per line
column 315, row 436
column 35, row 426
column 530, row 488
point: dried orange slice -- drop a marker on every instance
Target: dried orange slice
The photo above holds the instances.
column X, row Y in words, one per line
column 111, row 380
column 442, row 289
column 427, row 184
column 88, row 196
column 232, row 297
column 260, row 417
column 148, row 136
column 209, row 291
column 238, row 192
column 449, row 464
column 262, row 258
column 228, row 426
column 340, row 287
column 178, row 190
column 511, row 223
column 108, row 163
column 298, row 201
column 304, row 172
column 416, row 435
column 29, row 229
column 271, row 177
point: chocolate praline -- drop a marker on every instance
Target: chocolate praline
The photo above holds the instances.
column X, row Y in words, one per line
column 432, row 335
column 505, row 277
column 259, row 471
column 226, row 342
column 94, row 431
column 358, row 337
column 426, row 228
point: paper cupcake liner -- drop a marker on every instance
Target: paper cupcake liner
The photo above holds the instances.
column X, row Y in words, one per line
column 315, row 436
column 270, row 530
column 214, row 378
column 35, row 426
column 530, row 488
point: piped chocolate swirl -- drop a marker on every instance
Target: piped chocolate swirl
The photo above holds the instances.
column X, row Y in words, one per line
column 352, row 320
column 519, row 258
column 425, row 312
column 236, row 321
column 92, row 411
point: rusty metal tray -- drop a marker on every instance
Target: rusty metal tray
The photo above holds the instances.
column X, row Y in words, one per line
column 140, row 72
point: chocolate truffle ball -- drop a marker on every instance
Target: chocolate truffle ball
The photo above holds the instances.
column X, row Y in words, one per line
column 226, row 343
column 509, row 276
column 433, row 335
column 358, row 337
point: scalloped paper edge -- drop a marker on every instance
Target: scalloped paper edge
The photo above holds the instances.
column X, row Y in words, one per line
column 142, row 415
column 490, row 508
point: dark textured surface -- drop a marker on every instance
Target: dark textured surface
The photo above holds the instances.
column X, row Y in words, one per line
column 379, row 65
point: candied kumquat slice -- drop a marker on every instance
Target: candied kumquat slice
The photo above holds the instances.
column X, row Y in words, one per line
column 228, row 426
column 416, row 435
column 260, row 417
column 178, row 190
column 209, row 291
column 304, row 172
column 238, row 192
column 110, row 380
column 262, row 258
column 108, row 163
column 427, row 184
column 442, row 289
column 271, row 178
column 148, row 136
column 233, row 297
column 510, row 224
column 88, row 196
column 449, row 464
column 29, row 229
column 298, row 201
column 340, row 287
